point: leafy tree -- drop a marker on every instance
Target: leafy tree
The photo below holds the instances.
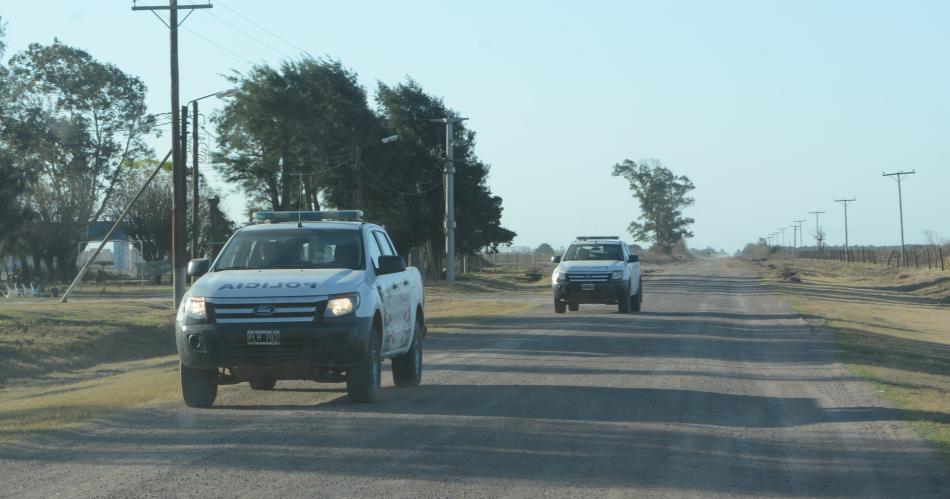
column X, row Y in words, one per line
column 406, row 109
column 289, row 130
column 303, row 133
column 75, row 122
column 149, row 220
column 662, row 196
column 544, row 249
column 15, row 174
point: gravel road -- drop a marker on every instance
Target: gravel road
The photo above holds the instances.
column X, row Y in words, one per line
column 716, row 389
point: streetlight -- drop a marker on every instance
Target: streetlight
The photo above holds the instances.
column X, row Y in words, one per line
column 194, row 160
column 356, row 165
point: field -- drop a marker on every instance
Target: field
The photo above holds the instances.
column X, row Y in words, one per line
column 892, row 324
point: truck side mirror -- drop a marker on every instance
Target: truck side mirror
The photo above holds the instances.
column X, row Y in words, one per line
column 198, row 267
column 555, row 259
column 633, row 258
column 390, row 264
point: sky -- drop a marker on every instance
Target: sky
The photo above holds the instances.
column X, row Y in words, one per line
column 773, row 109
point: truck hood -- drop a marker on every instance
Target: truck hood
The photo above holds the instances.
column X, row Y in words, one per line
column 591, row 265
column 277, row 283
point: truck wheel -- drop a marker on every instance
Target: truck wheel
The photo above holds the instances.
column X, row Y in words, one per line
column 198, row 386
column 263, row 382
column 559, row 306
column 623, row 304
column 362, row 381
column 573, row 307
column 637, row 299
column 407, row 368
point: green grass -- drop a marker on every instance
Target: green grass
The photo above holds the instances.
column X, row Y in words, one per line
column 46, row 336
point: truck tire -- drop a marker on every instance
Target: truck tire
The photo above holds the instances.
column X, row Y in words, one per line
column 637, row 299
column 623, row 304
column 198, row 386
column 263, row 382
column 407, row 368
column 573, row 307
column 559, row 306
column 362, row 381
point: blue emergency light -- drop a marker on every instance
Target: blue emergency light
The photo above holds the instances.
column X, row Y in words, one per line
column 307, row 216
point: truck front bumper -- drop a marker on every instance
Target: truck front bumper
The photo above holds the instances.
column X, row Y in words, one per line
column 331, row 343
column 599, row 292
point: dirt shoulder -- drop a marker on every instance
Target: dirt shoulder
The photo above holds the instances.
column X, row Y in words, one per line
column 893, row 326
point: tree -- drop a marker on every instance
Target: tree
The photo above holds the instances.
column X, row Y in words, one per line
column 75, row 122
column 406, row 109
column 15, row 175
column 149, row 220
column 302, row 135
column 544, row 249
column 290, row 132
column 662, row 196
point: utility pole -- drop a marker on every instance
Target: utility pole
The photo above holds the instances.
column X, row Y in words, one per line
column 195, row 222
column 359, row 178
column 801, row 231
column 782, row 230
column 818, row 237
column 900, row 204
column 449, row 181
column 178, row 159
column 845, row 202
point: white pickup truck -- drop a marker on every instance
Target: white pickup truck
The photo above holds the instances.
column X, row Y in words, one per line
column 597, row 269
column 301, row 295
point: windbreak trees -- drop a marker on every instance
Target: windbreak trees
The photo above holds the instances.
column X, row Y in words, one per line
column 291, row 133
column 302, row 135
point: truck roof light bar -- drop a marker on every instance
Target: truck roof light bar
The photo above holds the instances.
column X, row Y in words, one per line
column 589, row 238
column 307, row 216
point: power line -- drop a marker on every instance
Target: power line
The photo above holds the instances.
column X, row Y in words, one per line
column 239, row 30
column 275, row 35
column 216, row 44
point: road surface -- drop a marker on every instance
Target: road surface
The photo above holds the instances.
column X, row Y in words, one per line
column 717, row 388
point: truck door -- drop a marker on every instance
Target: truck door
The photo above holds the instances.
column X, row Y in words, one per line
column 386, row 293
column 401, row 297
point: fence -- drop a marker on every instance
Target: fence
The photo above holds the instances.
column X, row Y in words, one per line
column 933, row 256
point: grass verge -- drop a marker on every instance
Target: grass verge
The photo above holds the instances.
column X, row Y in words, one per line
column 64, row 364
column 893, row 326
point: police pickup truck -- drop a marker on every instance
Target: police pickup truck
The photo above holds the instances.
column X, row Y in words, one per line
column 597, row 269
column 315, row 296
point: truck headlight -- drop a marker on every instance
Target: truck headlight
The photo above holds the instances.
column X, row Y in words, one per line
column 616, row 275
column 195, row 308
column 342, row 305
column 560, row 276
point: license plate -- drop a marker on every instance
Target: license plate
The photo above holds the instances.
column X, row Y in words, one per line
column 263, row 337
column 587, row 287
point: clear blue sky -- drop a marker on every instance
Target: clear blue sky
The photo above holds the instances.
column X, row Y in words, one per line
column 772, row 108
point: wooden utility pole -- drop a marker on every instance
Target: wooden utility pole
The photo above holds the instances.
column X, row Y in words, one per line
column 179, row 198
column 900, row 203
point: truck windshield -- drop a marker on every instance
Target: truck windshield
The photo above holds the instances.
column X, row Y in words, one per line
column 296, row 249
column 593, row 252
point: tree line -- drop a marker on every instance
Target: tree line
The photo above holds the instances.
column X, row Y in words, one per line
column 302, row 134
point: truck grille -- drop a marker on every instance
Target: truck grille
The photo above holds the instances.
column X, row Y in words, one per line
column 588, row 276
column 265, row 312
